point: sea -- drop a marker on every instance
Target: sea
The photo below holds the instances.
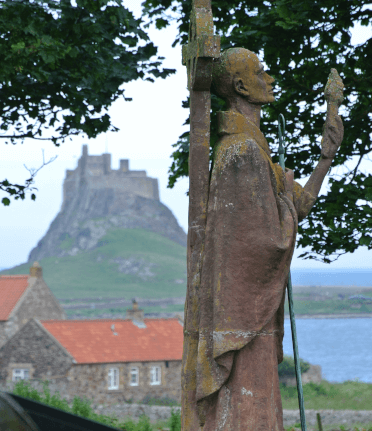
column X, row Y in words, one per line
column 352, row 277
column 342, row 347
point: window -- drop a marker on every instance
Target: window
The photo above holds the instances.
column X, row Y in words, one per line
column 134, row 376
column 155, row 376
column 20, row 374
column 113, row 378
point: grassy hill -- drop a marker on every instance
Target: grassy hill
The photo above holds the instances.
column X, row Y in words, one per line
column 138, row 263
column 126, row 263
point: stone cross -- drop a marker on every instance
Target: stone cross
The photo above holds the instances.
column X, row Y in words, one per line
column 198, row 56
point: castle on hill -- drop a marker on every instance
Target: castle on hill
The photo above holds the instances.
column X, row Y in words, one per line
column 97, row 199
column 96, row 173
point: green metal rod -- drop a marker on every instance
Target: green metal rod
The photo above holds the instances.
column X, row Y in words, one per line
column 290, row 302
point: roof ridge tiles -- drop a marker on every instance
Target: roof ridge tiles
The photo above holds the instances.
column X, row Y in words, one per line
column 107, row 320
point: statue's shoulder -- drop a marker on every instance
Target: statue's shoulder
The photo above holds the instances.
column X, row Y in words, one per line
column 236, row 147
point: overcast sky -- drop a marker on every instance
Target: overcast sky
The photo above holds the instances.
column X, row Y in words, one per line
column 149, row 125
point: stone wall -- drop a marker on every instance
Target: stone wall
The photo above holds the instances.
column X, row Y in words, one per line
column 33, row 348
column 91, row 380
column 3, row 332
column 290, row 417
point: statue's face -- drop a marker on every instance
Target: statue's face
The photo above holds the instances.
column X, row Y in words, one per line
column 253, row 82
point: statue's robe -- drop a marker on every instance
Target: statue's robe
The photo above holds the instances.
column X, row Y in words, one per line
column 230, row 364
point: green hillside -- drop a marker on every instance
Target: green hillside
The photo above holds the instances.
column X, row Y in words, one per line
column 126, row 263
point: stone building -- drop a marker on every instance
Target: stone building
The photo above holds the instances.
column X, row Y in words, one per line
column 23, row 297
column 108, row 361
column 96, row 171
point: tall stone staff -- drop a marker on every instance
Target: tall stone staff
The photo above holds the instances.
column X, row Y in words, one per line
column 198, row 56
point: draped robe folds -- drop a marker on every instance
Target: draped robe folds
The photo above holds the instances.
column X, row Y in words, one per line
column 230, row 375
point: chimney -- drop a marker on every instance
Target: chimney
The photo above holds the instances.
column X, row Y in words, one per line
column 36, row 270
column 85, row 151
column 135, row 314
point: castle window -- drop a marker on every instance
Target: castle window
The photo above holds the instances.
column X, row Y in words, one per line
column 155, row 376
column 166, row 364
column 134, row 376
column 20, row 374
column 113, row 378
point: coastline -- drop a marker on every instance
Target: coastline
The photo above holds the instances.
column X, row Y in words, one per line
column 331, row 316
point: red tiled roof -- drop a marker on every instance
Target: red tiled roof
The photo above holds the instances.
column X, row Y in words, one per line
column 12, row 288
column 94, row 341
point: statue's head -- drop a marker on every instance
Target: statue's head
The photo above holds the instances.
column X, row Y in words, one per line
column 238, row 73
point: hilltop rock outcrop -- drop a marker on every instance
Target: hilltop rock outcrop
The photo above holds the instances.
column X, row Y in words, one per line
column 98, row 199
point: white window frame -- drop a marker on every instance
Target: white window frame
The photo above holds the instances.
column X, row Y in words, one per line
column 134, row 372
column 20, row 374
column 155, row 375
column 113, row 378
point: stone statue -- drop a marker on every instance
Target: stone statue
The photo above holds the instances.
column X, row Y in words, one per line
column 234, row 344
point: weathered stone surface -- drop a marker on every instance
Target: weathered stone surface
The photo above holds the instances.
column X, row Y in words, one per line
column 97, row 200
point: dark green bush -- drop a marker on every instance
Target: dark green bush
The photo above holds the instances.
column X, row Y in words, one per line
column 287, row 367
column 312, row 388
column 175, row 421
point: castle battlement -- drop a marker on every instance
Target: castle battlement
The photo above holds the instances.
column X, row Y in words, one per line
column 96, row 173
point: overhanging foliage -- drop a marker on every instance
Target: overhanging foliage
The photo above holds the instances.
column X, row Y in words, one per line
column 300, row 41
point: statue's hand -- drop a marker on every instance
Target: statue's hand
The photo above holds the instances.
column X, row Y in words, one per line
column 333, row 133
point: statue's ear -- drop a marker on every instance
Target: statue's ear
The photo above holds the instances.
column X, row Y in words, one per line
column 240, row 87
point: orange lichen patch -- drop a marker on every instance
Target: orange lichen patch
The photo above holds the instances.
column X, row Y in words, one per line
column 105, row 341
column 12, row 288
column 208, row 384
column 279, row 176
